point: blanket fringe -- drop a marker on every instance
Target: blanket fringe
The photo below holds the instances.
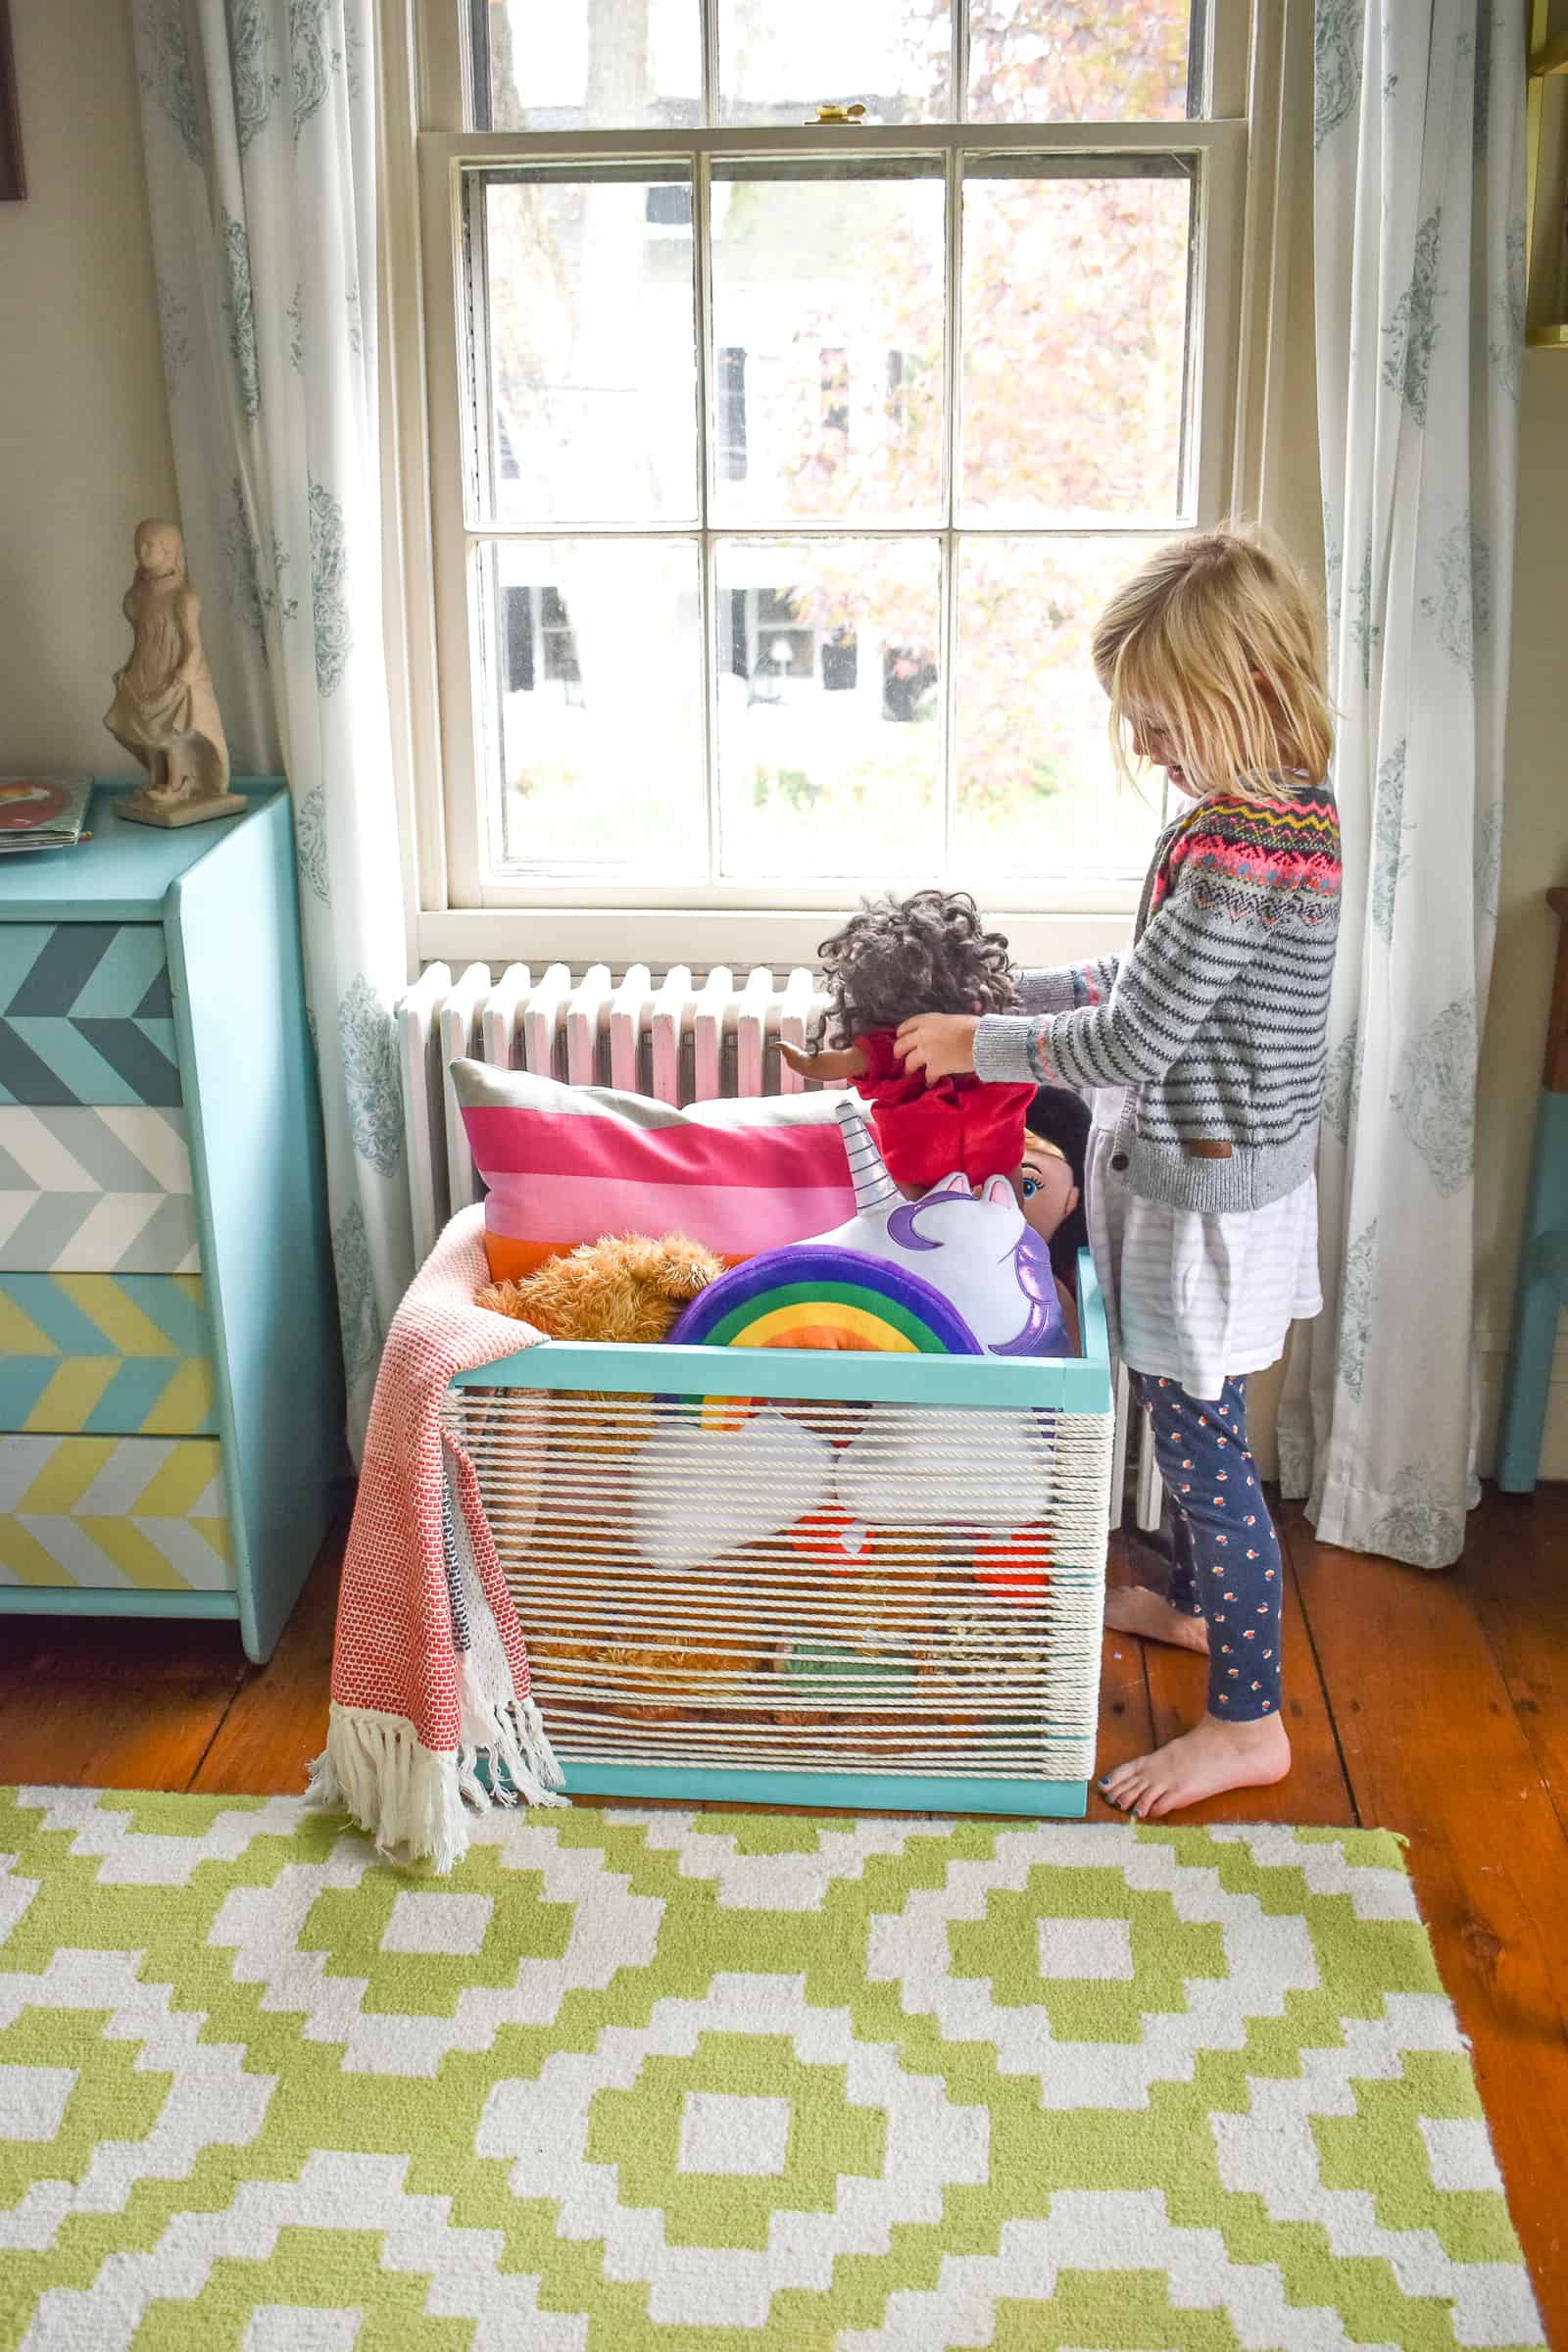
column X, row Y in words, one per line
column 476, row 1709
column 413, row 1799
column 405, row 1795
column 509, row 1731
column 521, row 1746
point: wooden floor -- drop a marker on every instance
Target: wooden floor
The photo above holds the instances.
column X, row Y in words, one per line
column 1437, row 1706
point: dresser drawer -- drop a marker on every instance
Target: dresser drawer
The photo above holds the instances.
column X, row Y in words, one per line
column 85, row 1014
column 114, row 1514
column 106, row 1355
column 105, row 1191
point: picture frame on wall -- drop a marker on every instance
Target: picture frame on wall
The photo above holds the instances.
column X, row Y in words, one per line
column 12, row 185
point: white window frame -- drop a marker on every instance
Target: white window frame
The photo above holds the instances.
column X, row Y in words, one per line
column 461, row 912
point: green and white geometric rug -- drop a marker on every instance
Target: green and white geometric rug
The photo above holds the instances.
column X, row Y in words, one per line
column 664, row 2083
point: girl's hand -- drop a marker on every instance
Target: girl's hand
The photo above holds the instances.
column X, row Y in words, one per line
column 941, row 1044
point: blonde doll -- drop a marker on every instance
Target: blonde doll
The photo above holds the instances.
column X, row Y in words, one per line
column 1204, row 1046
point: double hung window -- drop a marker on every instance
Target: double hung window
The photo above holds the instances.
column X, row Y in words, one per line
column 780, row 465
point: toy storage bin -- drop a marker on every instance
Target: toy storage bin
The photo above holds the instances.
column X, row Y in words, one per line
column 867, row 1580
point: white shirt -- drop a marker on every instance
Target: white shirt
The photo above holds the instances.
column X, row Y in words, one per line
column 1190, row 1294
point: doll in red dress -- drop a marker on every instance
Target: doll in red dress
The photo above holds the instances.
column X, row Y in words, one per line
column 894, row 958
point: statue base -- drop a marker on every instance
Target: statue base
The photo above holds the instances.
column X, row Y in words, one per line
column 140, row 809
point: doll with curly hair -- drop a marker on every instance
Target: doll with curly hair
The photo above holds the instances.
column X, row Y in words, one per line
column 896, row 959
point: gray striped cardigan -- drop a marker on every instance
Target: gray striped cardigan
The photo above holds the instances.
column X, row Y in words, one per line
column 1215, row 1021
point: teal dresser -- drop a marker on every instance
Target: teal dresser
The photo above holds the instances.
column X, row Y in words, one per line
column 170, row 1409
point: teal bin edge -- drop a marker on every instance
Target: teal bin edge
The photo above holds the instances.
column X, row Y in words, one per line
column 1075, row 1384
column 846, row 1792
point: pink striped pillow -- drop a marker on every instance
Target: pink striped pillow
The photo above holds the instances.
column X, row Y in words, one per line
column 565, row 1164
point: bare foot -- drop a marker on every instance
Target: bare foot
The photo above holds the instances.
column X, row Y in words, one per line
column 1134, row 1609
column 1204, row 1762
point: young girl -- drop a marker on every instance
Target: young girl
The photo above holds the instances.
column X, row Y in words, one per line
column 1204, row 1048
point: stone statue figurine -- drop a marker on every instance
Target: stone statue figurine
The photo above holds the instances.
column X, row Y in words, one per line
column 165, row 710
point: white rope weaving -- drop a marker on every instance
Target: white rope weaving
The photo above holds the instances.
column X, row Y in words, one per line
column 944, row 1632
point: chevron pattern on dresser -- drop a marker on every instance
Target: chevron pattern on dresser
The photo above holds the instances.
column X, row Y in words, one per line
column 112, row 1355
column 96, row 1191
column 126, row 1512
column 85, row 1014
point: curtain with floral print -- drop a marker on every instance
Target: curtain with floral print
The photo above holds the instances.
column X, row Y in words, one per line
column 1419, row 203
column 259, row 128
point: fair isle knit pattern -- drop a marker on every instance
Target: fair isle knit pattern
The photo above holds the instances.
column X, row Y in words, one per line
column 1215, row 1021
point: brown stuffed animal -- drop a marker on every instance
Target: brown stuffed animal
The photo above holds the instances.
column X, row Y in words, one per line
column 625, row 1289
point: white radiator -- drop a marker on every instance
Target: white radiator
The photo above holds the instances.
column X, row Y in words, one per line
column 679, row 1039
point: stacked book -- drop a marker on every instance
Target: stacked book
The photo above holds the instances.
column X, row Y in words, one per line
column 42, row 812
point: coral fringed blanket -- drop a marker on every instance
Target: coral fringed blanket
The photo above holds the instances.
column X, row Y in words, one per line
column 429, row 1670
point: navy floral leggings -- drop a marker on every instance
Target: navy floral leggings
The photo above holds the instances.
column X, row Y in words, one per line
column 1225, row 1555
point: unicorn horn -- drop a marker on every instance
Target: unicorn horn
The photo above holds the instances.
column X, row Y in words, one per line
column 875, row 1193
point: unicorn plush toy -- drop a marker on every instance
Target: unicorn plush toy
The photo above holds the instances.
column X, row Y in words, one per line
column 953, row 1272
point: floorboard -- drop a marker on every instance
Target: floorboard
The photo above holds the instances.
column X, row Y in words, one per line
column 113, row 1703
column 1435, row 1750
column 1515, row 1575
column 276, row 1722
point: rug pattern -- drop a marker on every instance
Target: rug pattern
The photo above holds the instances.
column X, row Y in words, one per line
column 629, row 2080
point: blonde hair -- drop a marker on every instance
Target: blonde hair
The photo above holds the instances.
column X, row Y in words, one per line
column 1215, row 640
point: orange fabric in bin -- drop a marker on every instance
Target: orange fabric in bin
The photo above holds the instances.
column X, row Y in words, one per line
column 1013, row 1569
column 510, row 1260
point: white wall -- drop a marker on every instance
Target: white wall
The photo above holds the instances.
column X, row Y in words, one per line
column 84, row 447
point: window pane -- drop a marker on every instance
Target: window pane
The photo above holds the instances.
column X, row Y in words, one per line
column 1036, row 799
column 588, row 65
column 776, row 65
column 589, row 396
column 829, row 710
column 827, row 337
column 593, row 708
column 1075, row 293
column 1079, row 61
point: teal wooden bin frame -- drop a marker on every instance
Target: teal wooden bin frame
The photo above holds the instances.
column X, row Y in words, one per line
column 1079, row 1386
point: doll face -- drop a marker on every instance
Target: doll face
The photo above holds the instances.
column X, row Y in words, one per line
column 1043, row 1182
